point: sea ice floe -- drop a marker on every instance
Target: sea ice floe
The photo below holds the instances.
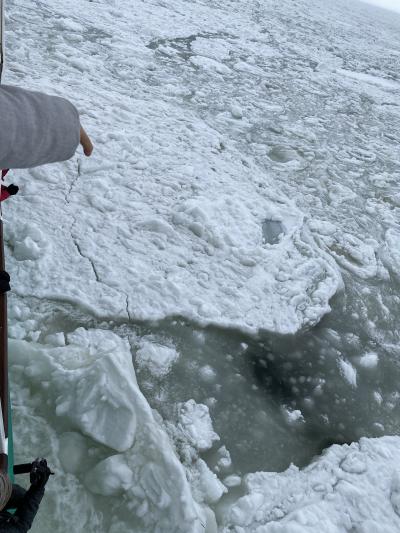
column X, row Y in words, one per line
column 348, row 487
column 194, row 422
column 83, row 375
column 110, row 477
column 103, row 438
column 186, row 238
column 156, row 358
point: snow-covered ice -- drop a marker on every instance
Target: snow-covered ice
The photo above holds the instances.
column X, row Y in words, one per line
column 195, row 422
column 156, row 358
column 236, row 235
column 89, row 389
column 172, row 197
column 349, row 488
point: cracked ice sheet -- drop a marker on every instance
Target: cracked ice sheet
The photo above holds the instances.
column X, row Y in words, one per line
column 166, row 219
column 101, row 436
column 200, row 255
column 349, row 488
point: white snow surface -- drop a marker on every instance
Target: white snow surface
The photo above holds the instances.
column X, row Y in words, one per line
column 166, row 219
column 90, row 387
column 202, row 114
column 349, row 488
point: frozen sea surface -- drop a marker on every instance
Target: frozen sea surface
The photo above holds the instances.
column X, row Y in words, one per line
column 236, row 235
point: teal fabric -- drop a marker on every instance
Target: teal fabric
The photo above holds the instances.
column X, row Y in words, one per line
column 10, row 443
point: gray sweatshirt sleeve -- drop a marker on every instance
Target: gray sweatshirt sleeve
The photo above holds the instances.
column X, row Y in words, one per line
column 35, row 128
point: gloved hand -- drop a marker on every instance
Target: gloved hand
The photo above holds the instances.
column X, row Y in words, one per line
column 12, row 189
column 4, row 281
column 40, row 473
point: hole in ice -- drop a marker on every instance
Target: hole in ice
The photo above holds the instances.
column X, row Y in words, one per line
column 272, row 231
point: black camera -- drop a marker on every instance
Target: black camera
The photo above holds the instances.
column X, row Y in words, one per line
column 40, row 473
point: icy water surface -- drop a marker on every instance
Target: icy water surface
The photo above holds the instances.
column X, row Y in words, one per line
column 342, row 376
column 277, row 400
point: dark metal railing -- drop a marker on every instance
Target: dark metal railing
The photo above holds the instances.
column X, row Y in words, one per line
column 3, row 366
column 3, row 315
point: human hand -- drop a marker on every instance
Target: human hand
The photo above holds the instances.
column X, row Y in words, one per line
column 40, row 473
column 86, row 143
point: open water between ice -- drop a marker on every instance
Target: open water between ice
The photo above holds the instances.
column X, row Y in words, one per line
column 274, row 400
column 279, row 400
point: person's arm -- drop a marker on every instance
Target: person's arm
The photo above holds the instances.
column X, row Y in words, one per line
column 17, row 496
column 21, row 521
column 28, row 502
column 36, row 129
column 27, row 509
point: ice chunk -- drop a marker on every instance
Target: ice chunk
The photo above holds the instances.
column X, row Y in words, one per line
column 369, row 360
column 232, row 481
column 207, row 374
column 156, row 358
column 92, row 383
column 209, row 486
column 109, row 477
column 55, row 339
column 321, row 496
column 81, row 373
column 236, row 111
column 293, row 416
column 348, row 371
column 195, row 423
